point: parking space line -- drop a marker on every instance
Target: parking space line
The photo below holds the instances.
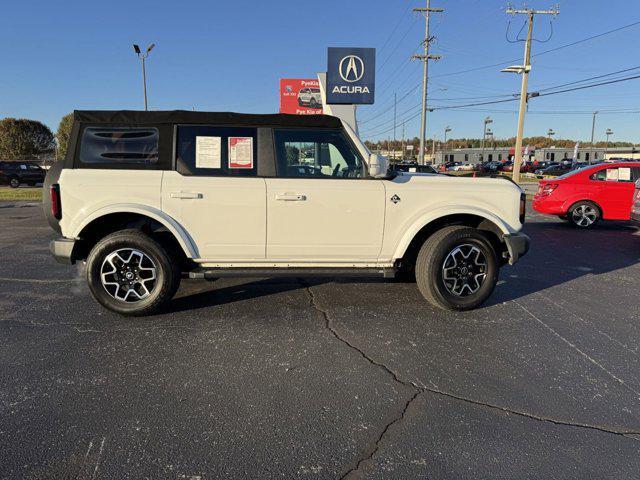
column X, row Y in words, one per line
column 577, row 349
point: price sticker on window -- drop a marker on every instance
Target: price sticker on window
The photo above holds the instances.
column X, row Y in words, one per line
column 241, row 152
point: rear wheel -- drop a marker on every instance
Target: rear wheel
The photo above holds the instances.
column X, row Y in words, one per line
column 131, row 273
column 457, row 268
column 584, row 214
column 14, row 182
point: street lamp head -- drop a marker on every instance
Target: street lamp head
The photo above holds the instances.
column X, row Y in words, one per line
column 488, row 120
column 136, row 48
column 150, row 47
column 447, row 129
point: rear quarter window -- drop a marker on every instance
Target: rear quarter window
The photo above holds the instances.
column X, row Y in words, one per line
column 119, row 146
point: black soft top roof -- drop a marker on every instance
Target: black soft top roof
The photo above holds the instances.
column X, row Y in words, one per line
column 138, row 117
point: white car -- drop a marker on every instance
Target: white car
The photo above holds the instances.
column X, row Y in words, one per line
column 145, row 198
column 310, row 97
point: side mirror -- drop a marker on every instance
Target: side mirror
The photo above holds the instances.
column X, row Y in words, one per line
column 378, row 166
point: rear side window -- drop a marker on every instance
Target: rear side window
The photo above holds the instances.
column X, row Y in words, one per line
column 119, row 145
column 216, row 151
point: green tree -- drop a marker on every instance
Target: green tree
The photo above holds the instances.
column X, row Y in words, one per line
column 22, row 138
column 63, row 134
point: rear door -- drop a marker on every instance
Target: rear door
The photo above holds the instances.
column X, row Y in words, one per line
column 322, row 207
column 215, row 194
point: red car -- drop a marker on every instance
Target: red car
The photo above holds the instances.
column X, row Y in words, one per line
column 587, row 195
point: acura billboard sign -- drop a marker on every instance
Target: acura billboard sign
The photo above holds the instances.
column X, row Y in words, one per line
column 351, row 74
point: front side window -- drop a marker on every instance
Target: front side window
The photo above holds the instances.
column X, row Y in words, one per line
column 119, row 145
column 316, row 154
column 216, row 151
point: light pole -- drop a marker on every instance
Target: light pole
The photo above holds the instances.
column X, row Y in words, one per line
column 447, row 129
column 550, row 133
column 607, row 133
column 490, row 135
column 487, row 121
column 143, row 57
column 593, row 129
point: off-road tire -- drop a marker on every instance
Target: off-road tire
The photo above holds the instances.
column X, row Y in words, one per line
column 582, row 222
column 431, row 260
column 167, row 272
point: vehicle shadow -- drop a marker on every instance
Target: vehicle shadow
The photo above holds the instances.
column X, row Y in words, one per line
column 196, row 294
column 559, row 254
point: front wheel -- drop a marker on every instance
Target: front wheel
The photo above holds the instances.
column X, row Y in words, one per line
column 457, row 268
column 131, row 273
column 584, row 214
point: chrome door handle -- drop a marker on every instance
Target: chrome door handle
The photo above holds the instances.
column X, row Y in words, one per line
column 291, row 197
column 192, row 195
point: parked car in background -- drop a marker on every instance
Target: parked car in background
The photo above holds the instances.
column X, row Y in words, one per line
column 635, row 207
column 554, row 170
column 413, row 167
column 464, row 167
column 587, row 195
column 489, row 167
column 17, row 173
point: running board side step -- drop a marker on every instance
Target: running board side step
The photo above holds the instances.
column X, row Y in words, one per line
column 213, row 273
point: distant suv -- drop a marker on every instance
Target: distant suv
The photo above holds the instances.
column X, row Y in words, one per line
column 148, row 197
column 17, row 173
column 310, row 97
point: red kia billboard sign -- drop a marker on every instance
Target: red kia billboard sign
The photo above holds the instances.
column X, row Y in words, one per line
column 300, row 96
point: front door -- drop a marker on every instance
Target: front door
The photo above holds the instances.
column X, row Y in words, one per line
column 215, row 194
column 322, row 208
column 615, row 192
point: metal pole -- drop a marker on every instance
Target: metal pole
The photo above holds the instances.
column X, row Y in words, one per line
column 144, row 83
column 593, row 129
column 425, row 76
column 403, row 155
column 395, row 105
column 517, row 161
column 484, row 137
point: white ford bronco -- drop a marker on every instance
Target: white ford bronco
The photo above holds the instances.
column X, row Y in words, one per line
column 145, row 198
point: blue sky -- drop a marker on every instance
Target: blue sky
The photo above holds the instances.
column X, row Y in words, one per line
column 219, row 55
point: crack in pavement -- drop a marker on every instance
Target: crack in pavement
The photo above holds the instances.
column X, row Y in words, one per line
column 367, row 456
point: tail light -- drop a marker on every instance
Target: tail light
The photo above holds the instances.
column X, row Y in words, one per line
column 523, row 206
column 547, row 188
column 56, row 206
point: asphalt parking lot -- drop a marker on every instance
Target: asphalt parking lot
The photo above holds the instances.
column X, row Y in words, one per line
column 326, row 379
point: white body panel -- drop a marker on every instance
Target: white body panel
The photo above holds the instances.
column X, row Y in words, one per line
column 225, row 218
column 87, row 191
column 254, row 221
column 425, row 198
column 324, row 220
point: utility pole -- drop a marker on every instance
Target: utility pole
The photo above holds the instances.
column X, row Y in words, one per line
column 593, row 129
column 395, row 105
column 403, row 156
column 524, row 71
column 425, row 61
column 143, row 57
